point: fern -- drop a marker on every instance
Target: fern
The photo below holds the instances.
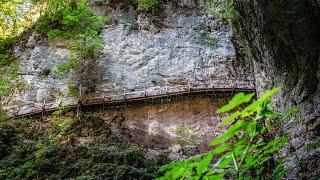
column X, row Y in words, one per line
column 242, row 148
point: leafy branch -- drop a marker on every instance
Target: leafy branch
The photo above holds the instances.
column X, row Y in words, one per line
column 245, row 148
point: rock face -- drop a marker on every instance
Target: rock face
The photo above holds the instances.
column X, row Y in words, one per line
column 43, row 84
column 184, row 46
column 188, row 48
column 284, row 38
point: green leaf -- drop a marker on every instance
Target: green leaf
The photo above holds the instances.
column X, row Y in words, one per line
column 251, row 128
column 223, row 161
column 230, row 118
column 270, row 93
column 220, row 149
column 236, row 101
column 203, row 164
column 232, row 131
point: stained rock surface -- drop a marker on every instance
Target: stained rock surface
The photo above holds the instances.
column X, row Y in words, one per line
column 284, row 38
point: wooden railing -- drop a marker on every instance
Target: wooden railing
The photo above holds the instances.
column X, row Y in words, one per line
column 150, row 94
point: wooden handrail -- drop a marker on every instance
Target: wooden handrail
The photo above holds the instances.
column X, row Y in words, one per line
column 143, row 96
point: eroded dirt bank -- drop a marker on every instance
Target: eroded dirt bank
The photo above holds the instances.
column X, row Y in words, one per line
column 179, row 128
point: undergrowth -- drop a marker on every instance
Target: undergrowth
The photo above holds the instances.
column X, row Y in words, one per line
column 222, row 8
column 152, row 6
column 66, row 148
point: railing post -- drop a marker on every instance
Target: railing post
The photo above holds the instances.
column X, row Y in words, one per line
column 145, row 91
column 103, row 102
column 165, row 87
column 79, row 101
column 125, row 99
column 43, row 108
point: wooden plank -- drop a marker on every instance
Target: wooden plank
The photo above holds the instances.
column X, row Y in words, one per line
column 108, row 101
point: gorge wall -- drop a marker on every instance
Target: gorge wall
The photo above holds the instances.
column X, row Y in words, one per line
column 284, row 38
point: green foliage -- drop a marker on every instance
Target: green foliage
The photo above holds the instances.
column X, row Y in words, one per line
column 223, row 8
column 211, row 40
column 186, row 135
column 54, row 33
column 62, row 110
column 72, row 63
column 10, row 20
column 73, row 90
column 7, row 138
column 87, row 46
column 149, row 5
column 236, row 101
column 245, row 150
column 3, row 114
column 76, row 20
column 314, row 145
column 9, row 82
column 51, row 15
column 68, row 148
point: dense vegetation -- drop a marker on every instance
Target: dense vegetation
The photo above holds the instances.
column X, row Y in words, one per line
column 66, row 147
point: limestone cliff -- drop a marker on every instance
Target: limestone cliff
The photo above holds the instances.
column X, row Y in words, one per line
column 141, row 53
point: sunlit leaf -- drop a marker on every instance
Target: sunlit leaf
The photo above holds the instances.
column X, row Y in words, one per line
column 223, row 161
column 203, row 165
column 236, row 101
column 220, row 149
column 232, row 131
column 230, row 118
column 270, row 93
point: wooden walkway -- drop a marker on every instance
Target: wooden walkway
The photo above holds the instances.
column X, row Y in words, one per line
column 152, row 95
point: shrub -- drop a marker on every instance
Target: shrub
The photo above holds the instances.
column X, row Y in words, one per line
column 222, row 8
column 149, row 5
column 66, row 67
column 87, row 46
column 75, row 20
column 9, row 82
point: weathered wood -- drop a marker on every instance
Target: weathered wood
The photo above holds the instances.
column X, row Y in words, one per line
column 109, row 101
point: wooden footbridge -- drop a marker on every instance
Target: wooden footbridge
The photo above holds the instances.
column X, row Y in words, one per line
column 155, row 94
